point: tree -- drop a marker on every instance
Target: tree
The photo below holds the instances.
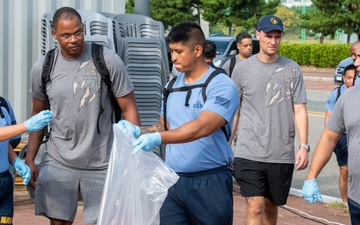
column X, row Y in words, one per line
column 245, row 13
column 290, row 19
column 332, row 15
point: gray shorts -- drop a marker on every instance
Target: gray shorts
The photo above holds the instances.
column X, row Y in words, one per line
column 58, row 188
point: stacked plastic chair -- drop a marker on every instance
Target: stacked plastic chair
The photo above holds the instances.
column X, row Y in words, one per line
column 140, row 42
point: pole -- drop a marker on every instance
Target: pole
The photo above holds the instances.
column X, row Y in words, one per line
column 303, row 11
column 142, row 7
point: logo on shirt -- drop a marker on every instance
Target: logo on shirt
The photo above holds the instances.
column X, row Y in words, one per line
column 222, row 101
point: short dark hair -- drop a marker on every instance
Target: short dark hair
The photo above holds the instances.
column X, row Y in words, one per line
column 188, row 33
column 64, row 13
column 347, row 68
column 209, row 49
column 242, row 35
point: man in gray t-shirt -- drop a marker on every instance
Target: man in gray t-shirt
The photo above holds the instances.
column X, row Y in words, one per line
column 344, row 117
column 273, row 100
column 81, row 135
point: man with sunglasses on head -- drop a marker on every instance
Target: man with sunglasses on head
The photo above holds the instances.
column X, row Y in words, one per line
column 81, row 135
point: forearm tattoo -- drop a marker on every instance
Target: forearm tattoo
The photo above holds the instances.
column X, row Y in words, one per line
column 157, row 127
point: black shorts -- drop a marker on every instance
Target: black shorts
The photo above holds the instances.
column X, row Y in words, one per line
column 270, row 180
column 341, row 151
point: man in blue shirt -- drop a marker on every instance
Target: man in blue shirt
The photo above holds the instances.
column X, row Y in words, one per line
column 197, row 140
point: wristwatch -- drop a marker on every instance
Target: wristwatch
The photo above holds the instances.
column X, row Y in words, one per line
column 305, row 146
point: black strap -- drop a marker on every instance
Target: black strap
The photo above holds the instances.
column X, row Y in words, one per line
column 100, row 64
column 4, row 104
column 338, row 92
column 169, row 89
column 232, row 65
column 47, row 67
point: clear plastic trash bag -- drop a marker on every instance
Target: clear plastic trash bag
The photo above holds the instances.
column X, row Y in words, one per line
column 135, row 186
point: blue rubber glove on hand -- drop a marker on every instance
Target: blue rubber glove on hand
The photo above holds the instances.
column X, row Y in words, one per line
column 311, row 191
column 38, row 121
column 146, row 142
column 128, row 127
column 22, row 169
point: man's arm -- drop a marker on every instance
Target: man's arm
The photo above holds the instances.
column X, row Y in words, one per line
column 12, row 131
column 34, row 142
column 128, row 107
column 322, row 153
column 11, row 153
column 235, row 125
column 206, row 123
column 327, row 116
column 301, row 122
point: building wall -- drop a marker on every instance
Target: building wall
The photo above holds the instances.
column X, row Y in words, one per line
column 20, row 43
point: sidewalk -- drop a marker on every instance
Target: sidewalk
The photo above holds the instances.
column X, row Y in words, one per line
column 296, row 212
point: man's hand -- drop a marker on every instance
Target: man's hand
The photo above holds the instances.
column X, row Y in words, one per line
column 38, row 121
column 146, row 142
column 22, row 169
column 128, row 127
column 311, row 191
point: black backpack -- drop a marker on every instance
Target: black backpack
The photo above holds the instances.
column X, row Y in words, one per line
column 99, row 62
column 188, row 89
column 13, row 141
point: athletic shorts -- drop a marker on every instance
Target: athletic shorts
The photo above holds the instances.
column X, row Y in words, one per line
column 6, row 198
column 58, row 188
column 341, row 151
column 270, row 180
column 200, row 198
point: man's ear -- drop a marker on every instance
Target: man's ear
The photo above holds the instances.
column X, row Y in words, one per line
column 198, row 50
column 53, row 34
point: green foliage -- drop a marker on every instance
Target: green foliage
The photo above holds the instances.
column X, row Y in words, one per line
column 331, row 15
column 325, row 55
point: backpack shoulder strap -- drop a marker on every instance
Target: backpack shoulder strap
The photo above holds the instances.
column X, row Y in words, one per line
column 338, row 92
column 47, row 67
column 97, row 52
column 232, row 65
column 166, row 93
column 4, row 104
column 212, row 75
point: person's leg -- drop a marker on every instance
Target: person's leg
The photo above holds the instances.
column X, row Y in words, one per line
column 341, row 154
column 6, row 198
column 354, row 209
column 209, row 197
column 255, row 207
column 270, row 213
column 56, row 193
column 91, row 189
column 172, row 211
column 278, row 183
column 250, row 176
column 343, row 182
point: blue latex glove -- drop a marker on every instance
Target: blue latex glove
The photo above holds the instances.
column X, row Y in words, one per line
column 38, row 121
column 22, row 169
column 311, row 191
column 128, row 127
column 146, row 142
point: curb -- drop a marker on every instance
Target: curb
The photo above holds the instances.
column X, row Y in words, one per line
column 319, row 79
column 326, row 198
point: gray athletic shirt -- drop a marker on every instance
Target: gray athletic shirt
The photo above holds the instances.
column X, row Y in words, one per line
column 345, row 116
column 268, row 92
column 74, row 95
